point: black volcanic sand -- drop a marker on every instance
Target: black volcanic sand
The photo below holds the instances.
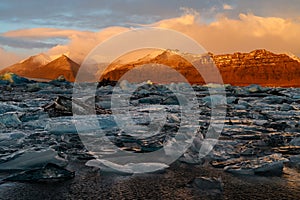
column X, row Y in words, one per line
column 89, row 183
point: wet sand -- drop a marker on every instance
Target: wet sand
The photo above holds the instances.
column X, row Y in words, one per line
column 89, row 183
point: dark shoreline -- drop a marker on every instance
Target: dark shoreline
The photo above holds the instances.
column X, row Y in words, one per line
column 89, row 183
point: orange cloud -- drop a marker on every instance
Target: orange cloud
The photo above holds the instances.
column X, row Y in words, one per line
column 244, row 34
column 44, row 33
column 80, row 44
column 224, row 35
column 227, row 7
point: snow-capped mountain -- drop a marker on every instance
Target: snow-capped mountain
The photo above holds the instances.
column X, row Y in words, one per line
column 257, row 67
column 42, row 66
column 40, row 59
column 294, row 57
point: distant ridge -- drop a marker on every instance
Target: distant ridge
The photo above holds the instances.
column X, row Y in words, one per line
column 41, row 67
column 257, row 67
column 28, row 66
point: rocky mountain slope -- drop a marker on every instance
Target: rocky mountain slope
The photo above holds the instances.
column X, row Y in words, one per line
column 42, row 67
column 28, row 66
column 257, row 67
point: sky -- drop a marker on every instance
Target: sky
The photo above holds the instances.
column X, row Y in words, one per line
column 74, row 27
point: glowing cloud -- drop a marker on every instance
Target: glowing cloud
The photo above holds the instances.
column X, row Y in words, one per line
column 80, row 42
column 44, row 33
column 224, row 35
column 227, row 7
column 247, row 33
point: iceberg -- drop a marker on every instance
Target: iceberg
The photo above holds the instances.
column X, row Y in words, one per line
column 129, row 168
column 32, row 159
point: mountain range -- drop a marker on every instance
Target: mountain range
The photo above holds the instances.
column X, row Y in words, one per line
column 257, row 67
column 42, row 67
